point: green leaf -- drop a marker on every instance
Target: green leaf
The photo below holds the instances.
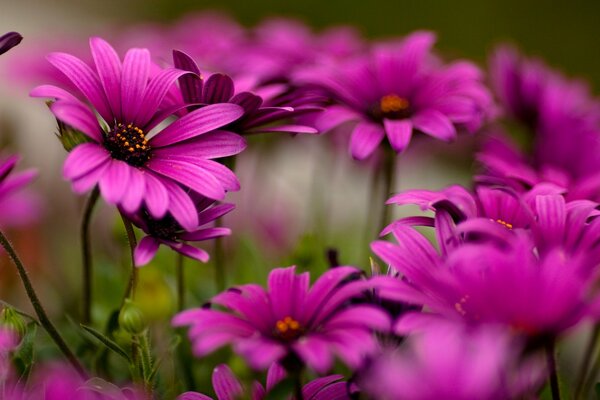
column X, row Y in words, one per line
column 110, row 344
column 597, row 390
column 282, row 390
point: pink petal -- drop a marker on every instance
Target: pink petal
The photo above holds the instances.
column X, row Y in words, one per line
column 365, row 139
column 181, row 206
column 134, row 195
column 190, row 175
column 218, row 89
column 156, row 196
column 155, row 94
column 435, row 124
column 79, row 117
column 191, row 251
column 113, row 183
column 205, row 234
column 214, row 144
column 108, row 66
column 398, row 132
column 84, row 158
column 145, row 250
column 225, row 384
column 136, row 67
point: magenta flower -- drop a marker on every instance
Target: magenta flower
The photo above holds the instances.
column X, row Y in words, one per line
column 9, row 40
column 449, row 361
column 220, row 88
column 228, row 387
column 17, row 206
column 400, row 88
column 169, row 232
column 290, row 322
column 131, row 167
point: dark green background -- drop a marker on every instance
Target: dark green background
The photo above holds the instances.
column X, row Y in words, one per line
column 565, row 33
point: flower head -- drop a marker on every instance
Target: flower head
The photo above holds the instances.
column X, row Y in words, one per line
column 131, row 164
column 399, row 88
column 289, row 321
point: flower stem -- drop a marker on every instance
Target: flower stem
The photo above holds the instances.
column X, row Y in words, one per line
column 298, row 386
column 585, row 362
column 39, row 309
column 133, row 278
column 180, row 282
column 220, row 282
column 389, row 176
column 552, row 372
column 86, row 251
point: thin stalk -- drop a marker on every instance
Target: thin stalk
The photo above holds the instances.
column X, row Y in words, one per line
column 389, row 176
column 220, row 281
column 133, row 278
column 86, row 251
column 590, row 350
column 180, row 282
column 39, row 309
column 298, row 386
column 552, row 372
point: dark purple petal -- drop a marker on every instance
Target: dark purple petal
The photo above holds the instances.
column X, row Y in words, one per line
column 218, row 88
column 155, row 94
column 84, row 158
column 196, row 123
column 114, row 182
column 145, row 250
column 136, row 68
column 84, row 79
column 225, row 384
column 9, row 40
column 191, row 251
column 190, row 175
column 108, row 66
column 288, row 128
column 205, row 234
column 214, row 144
column 314, row 389
column 435, row 124
column 398, row 132
column 248, row 101
column 79, row 117
column 190, row 84
column 365, row 139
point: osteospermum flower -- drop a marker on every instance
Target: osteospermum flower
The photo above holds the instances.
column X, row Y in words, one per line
column 169, row 232
column 9, row 40
column 290, row 322
column 228, row 387
column 130, row 165
column 220, row 88
column 449, row 361
column 400, row 88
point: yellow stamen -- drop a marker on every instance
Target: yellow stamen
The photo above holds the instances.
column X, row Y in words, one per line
column 393, row 103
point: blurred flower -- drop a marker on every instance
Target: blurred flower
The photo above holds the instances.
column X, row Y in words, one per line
column 129, row 167
column 169, row 232
column 18, row 207
column 9, row 40
column 398, row 88
column 228, row 387
column 449, row 361
column 290, row 323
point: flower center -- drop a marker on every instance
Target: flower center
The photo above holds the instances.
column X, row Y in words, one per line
column 288, row 329
column 504, row 223
column 165, row 228
column 393, row 106
column 128, row 143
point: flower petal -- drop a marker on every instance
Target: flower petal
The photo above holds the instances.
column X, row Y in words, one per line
column 145, row 251
column 155, row 94
column 398, row 132
column 218, row 88
column 214, row 144
column 191, row 251
column 196, row 123
column 83, row 158
column 225, row 384
column 79, row 117
column 135, row 192
column 190, row 84
column 108, row 66
column 435, row 124
column 181, row 206
column 136, row 67
column 365, row 139
column 114, row 182
column 205, row 234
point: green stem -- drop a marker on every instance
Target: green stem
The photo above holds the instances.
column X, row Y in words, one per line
column 586, row 361
column 180, row 282
column 220, row 281
column 86, row 251
column 39, row 309
column 133, row 278
column 552, row 370
column 389, row 176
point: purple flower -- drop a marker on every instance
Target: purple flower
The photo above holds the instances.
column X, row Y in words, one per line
column 220, row 88
column 399, row 88
column 17, row 206
column 449, row 361
column 289, row 321
column 228, row 387
column 9, row 40
column 168, row 231
column 131, row 167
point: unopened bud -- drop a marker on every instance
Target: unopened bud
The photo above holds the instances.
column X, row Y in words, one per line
column 131, row 318
column 11, row 320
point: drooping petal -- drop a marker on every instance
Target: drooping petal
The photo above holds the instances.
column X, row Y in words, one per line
column 398, row 132
column 196, row 123
column 435, row 124
column 136, row 190
column 114, row 182
column 108, row 66
column 191, row 251
column 181, row 206
column 136, row 68
column 190, row 175
column 205, row 234
column 53, row 92
column 84, row 79
column 89, row 180
column 365, row 139
column 83, row 158
column 145, row 250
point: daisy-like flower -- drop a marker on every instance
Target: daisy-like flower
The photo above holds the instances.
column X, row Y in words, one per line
column 131, row 165
column 400, row 88
column 228, row 387
column 220, row 88
column 450, row 361
column 169, row 232
column 9, row 40
column 289, row 322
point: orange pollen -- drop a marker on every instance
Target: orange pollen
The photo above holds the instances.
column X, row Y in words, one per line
column 504, row 223
column 393, row 103
column 288, row 328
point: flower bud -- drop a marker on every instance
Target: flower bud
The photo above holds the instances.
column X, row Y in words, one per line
column 68, row 136
column 12, row 321
column 131, row 318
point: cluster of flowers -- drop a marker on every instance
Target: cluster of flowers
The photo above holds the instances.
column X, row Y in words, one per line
column 515, row 265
